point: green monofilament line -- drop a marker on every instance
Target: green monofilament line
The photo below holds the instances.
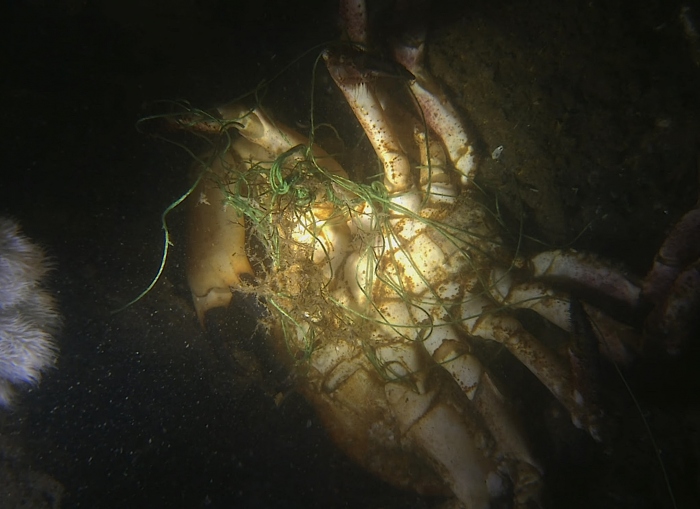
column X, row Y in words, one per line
column 282, row 197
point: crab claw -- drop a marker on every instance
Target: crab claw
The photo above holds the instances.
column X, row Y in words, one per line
column 673, row 284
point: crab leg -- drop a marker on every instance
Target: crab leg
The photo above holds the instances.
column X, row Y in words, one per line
column 587, row 271
column 614, row 337
column 354, row 16
column 368, row 110
column 457, row 457
column 453, row 355
column 680, row 249
column 477, row 313
column 439, row 112
column 479, row 319
column 673, row 284
column 442, row 343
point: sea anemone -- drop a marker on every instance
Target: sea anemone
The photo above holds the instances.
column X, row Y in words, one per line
column 28, row 316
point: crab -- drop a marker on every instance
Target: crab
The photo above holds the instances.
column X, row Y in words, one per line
column 379, row 294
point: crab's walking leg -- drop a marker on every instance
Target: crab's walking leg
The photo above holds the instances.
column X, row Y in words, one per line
column 615, row 339
column 456, row 455
column 454, row 442
column 368, row 110
column 681, row 248
column 442, row 343
column 480, row 319
column 439, row 113
column 478, row 316
column 673, row 285
column 587, row 271
column 353, row 14
column 445, row 347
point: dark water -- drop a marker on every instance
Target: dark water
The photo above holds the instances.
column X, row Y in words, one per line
column 145, row 409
